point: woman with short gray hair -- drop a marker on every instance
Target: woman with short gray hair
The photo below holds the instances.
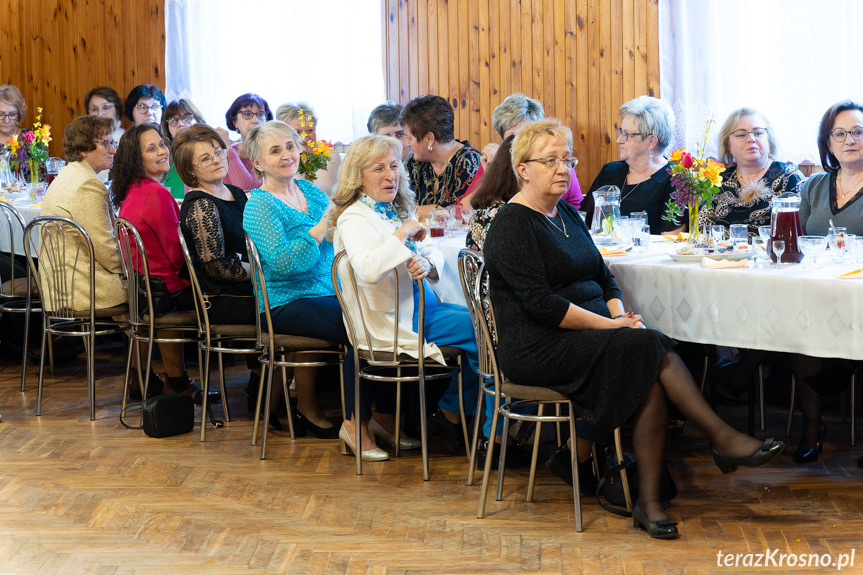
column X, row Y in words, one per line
column 645, row 131
column 384, row 121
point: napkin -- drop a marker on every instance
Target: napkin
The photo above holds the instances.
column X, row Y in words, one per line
column 723, row 264
column 611, row 252
column 852, row 275
column 682, row 236
column 36, row 205
column 2, row 198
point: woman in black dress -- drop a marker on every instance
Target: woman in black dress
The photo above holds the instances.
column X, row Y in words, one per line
column 563, row 326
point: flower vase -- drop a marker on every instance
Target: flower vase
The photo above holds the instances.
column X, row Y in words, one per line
column 694, row 236
column 34, row 171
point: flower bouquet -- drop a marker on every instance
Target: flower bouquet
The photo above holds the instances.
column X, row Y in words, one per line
column 319, row 157
column 30, row 148
column 695, row 181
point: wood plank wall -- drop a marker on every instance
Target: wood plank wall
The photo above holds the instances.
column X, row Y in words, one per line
column 55, row 51
column 581, row 58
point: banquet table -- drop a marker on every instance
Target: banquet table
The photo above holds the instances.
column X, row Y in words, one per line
column 448, row 288
column 789, row 309
column 28, row 209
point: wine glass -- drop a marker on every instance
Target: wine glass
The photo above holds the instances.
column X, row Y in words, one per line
column 466, row 214
column 838, row 238
column 779, row 249
column 812, row 247
column 759, row 250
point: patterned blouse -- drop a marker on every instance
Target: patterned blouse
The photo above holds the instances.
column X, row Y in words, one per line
column 479, row 224
column 731, row 206
column 451, row 185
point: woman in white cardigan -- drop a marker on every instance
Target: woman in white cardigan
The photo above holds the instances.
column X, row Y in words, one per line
column 373, row 221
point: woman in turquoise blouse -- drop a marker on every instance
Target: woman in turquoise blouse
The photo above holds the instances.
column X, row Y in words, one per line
column 285, row 219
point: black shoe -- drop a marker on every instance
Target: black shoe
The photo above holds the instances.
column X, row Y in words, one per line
column 154, row 387
column 768, row 450
column 252, row 391
column 451, row 433
column 187, row 386
column 804, row 455
column 319, row 432
column 560, row 464
column 663, row 529
column 517, row 456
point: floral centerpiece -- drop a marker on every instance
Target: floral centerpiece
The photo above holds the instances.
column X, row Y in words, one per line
column 695, row 180
column 319, row 157
column 30, row 148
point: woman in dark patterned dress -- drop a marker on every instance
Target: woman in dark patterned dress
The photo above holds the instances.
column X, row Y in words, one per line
column 440, row 167
column 562, row 325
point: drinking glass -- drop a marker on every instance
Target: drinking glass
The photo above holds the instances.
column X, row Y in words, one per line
column 623, row 230
column 583, row 216
column 759, row 252
column 779, row 249
column 855, row 249
column 738, row 233
column 640, row 235
column 812, row 247
column 466, row 214
column 53, row 167
column 717, row 232
column 838, row 238
column 764, row 232
column 451, row 218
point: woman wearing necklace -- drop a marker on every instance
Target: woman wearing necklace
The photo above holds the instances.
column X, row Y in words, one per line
column 747, row 147
column 372, row 222
column 646, row 129
column 285, row 218
column 440, row 167
column 555, row 298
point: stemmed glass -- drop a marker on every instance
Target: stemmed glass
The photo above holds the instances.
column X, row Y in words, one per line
column 764, row 234
column 812, row 247
column 466, row 214
column 779, row 249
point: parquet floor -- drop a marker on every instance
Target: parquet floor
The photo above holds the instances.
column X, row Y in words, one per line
column 92, row 497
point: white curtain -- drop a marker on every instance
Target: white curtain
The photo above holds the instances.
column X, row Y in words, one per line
column 789, row 59
column 327, row 54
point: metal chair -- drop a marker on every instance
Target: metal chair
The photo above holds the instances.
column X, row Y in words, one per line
column 144, row 326
column 275, row 344
column 61, row 241
column 215, row 338
column 17, row 294
column 539, row 396
column 380, row 363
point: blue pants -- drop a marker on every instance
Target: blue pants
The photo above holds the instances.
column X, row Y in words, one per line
column 319, row 317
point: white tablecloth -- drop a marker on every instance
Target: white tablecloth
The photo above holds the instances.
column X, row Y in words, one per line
column 790, row 309
column 448, row 288
column 28, row 213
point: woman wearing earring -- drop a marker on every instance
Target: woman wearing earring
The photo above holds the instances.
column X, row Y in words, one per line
column 247, row 111
column 747, row 146
column 646, row 129
column 12, row 111
column 440, row 168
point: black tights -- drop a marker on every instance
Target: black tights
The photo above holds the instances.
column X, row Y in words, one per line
column 651, row 421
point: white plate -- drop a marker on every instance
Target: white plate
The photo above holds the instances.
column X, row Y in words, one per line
column 689, row 258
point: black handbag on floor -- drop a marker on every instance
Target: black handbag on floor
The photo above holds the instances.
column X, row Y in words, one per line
column 611, row 486
column 170, row 414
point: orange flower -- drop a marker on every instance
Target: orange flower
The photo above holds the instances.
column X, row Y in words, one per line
column 676, row 155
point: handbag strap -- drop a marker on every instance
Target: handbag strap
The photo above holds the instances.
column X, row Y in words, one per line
column 606, row 478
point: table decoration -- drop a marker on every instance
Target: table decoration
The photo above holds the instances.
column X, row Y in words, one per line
column 30, row 148
column 319, row 157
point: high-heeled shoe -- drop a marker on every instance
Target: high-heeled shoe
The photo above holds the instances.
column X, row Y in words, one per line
column 378, row 430
column 663, row 529
column 320, row 432
column 376, row 454
column 803, row 455
column 768, row 450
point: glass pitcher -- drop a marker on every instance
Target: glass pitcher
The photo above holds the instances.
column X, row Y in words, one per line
column 606, row 210
column 785, row 226
column 6, row 175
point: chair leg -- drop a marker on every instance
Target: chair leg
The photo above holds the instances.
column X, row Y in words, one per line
column 483, row 491
column 579, row 527
column 127, row 381
column 557, row 424
column 791, row 407
column 398, row 429
column 424, row 430
column 358, row 434
column 618, row 450
column 24, row 350
column 531, row 482
column 287, row 396
column 477, row 423
column 501, row 468
column 40, row 384
column 205, row 386
column 761, row 393
column 853, row 408
column 225, row 407
column 461, row 406
column 265, row 423
column 257, row 417
column 50, row 354
column 91, row 370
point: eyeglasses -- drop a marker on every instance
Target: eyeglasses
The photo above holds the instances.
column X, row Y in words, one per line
column 188, row 120
column 150, row 108
column 107, row 144
column 553, row 161
column 741, row 134
column 217, row 157
column 106, row 109
column 840, row 135
column 11, row 115
column 626, row 135
column 248, row 115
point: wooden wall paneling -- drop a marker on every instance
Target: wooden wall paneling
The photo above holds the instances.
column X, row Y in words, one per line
column 536, row 84
column 628, row 71
column 485, row 86
column 421, row 17
column 545, row 74
column 516, row 55
column 526, row 48
column 559, row 61
column 494, row 24
column 606, row 71
column 570, row 49
column 641, row 43
column 652, row 49
column 454, row 33
column 404, row 53
column 443, row 50
column 413, row 47
column 473, row 102
column 616, row 49
column 391, row 64
column 594, row 115
column 432, row 51
column 463, row 116
column 504, row 53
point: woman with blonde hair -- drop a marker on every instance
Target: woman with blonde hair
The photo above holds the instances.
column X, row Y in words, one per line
column 302, row 118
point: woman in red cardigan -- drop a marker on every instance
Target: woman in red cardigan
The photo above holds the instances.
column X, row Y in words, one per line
column 141, row 160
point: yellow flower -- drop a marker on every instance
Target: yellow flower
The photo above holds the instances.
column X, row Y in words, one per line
column 711, row 171
column 676, row 155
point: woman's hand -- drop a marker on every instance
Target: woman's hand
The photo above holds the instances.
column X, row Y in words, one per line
column 419, row 267
column 226, row 137
column 319, row 230
column 411, row 229
column 488, row 153
column 629, row 319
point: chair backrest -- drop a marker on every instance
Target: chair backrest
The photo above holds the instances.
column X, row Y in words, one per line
column 344, row 279
column 259, row 283
column 15, row 225
column 469, row 264
column 137, row 271
column 488, row 326
column 201, row 305
column 63, row 244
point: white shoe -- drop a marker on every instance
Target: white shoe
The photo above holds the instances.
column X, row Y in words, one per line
column 405, row 443
column 376, row 454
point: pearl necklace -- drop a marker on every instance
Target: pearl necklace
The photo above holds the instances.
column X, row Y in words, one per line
column 563, row 231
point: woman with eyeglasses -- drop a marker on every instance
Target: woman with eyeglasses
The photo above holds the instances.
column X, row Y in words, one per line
column 105, row 102
column 13, row 108
column 178, row 115
column 748, row 147
column 144, row 104
column 646, row 129
column 245, row 113
column 554, row 298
